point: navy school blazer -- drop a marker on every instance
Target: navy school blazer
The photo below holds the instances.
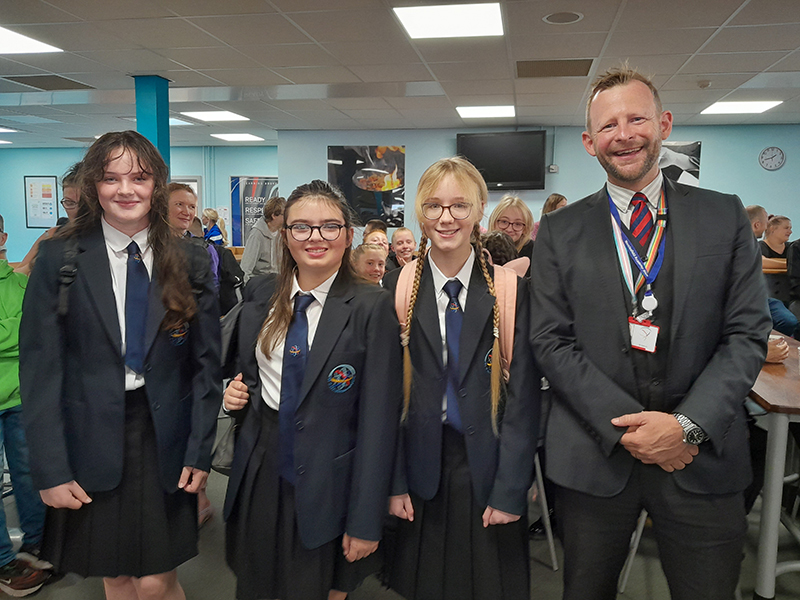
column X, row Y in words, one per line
column 345, row 435
column 501, row 468
column 72, row 372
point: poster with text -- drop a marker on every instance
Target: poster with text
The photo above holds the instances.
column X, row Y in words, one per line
column 248, row 197
column 680, row 161
column 41, row 201
column 372, row 178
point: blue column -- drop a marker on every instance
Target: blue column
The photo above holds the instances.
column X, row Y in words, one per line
column 152, row 111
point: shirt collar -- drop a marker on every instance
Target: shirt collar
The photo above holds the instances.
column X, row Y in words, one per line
column 118, row 241
column 621, row 197
column 463, row 275
column 320, row 292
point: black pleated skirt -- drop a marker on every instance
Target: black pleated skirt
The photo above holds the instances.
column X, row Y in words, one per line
column 446, row 553
column 263, row 545
column 136, row 529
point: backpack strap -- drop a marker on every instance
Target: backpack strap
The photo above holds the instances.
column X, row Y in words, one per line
column 505, row 287
column 402, row 297
column 66, row 275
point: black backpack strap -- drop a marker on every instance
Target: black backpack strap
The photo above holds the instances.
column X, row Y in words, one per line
column 66, row 275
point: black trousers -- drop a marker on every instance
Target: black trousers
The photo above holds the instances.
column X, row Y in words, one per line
column 700, row 537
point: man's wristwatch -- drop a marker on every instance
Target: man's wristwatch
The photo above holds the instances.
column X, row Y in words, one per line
column 692, row 433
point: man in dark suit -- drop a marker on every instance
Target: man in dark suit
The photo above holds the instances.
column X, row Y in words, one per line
column 649, row 376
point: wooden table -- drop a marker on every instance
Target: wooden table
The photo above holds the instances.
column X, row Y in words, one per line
column 777, row 390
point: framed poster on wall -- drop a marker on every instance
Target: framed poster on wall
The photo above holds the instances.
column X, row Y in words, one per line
column 248, row 197
column 41, row 201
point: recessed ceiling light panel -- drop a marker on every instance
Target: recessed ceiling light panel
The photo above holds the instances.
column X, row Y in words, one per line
column 451, row 21
column 16, row 43
column 5, row 130
column 4, row 142
column 237, row 137
column 485, row 112
column 739, row 108
column 215, row 115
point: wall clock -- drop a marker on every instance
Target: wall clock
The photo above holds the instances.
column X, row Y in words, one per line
column 771, row 158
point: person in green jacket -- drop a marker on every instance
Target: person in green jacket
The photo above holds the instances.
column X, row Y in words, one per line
column 20, row 574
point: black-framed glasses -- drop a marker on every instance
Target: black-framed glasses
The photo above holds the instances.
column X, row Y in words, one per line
column 503, row 223
column 327, row 231
column 69, row 204
column 459, row 210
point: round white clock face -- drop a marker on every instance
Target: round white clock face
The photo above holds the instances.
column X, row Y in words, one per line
column 771, row 158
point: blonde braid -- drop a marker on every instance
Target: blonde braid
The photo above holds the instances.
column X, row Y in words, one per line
column 406, row 333
column 497, row 370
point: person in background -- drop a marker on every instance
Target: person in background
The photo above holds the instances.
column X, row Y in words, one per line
column 369, row 262
column 120, row 378
column 775, row 250
column 376, row 236
column 513, row 217
column 20, row 574
column 552, row 204
column 214, row 227
column 758, row 219
column 262, row 251
column 647, row 373
column 373, row 225
column 403, row 247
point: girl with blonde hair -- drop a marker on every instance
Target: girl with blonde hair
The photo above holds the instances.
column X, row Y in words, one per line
column 214, row 227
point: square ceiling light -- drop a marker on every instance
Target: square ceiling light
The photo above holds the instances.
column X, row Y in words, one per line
column 237, row 137
column 740, row 108
column 215, row 115
column 451, row 21
column 16, row 43
column 485, row 112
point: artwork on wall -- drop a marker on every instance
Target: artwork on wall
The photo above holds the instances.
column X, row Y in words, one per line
column 41, row 201
column 372, row 178
column 248, row 197
column 680, row 161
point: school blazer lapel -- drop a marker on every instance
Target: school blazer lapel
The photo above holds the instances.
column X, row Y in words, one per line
column 335, row 316
column 94, row 270
column 478, row 310
column 426, row 316
column 155, row 311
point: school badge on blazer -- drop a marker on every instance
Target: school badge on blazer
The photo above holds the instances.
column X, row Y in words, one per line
column 177, row 336
column 341, row 378
column 294, row 351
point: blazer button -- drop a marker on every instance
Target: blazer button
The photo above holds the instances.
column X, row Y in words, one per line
column 470, row 430
column 300, row 470
column 462, row 393
column 156, row 406
column 148, row 368
column 624, row 349
column 299, row 426
column 656, row 382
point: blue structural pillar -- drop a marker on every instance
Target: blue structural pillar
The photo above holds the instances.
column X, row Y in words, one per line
column 152, row 111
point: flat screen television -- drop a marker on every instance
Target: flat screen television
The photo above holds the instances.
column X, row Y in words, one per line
column 513, row 160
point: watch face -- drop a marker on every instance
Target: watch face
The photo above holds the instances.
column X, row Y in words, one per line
column 771, row 158
column 694, row 436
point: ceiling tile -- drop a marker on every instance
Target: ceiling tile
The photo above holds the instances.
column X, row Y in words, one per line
column 463, row 49
column 551, row 85
column 75, row 36
column 131, row 61
column 465, row 88
column 13, row 67
column 569, row 45
column 757, row 38
column 760, row 12
column 717, row 81
column 525, row 17
column 269, row 27
column 207, row 58
column 351, row 25
column 368, row 53
column 666, row 64
column 198, row 8
column 624, row 44
column 392, row 72
column 731, row 63
column 470, row 71
column 289, row 55
column 332, row 74
column 91, row 10
column 421, row 103
column 245, row 77
column 708, row 13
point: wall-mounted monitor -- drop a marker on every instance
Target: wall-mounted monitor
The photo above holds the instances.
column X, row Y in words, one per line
column 513, row 161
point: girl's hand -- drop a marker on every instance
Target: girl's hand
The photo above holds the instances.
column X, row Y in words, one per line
column 355, row 549
column 400, row 506
column 492, row 516
column 192, row 480
column 236, row 395
column 66, row 495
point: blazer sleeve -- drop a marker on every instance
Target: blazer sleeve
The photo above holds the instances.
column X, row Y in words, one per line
column 205, row 356
column 41, row 371
column 520, row 422
column 715, row 398
column 378, row 418
column 592, row 395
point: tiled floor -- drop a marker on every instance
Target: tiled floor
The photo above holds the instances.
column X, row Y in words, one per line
column 207, row 578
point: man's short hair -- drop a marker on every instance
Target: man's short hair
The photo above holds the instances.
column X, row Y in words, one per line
column 71, row 178
column 274, row 206
column 621, row 75
column 374, row 224
column 756, row 213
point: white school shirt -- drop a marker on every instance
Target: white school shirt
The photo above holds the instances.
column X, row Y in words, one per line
column 622, row 197
column 117, row 249
column 270, row 370
column 442, row 300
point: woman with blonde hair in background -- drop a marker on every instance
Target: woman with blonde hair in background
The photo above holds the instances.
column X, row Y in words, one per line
column 214, row 227
column 513, row 217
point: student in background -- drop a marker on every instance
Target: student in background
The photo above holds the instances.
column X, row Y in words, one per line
column 214, row 227
column 513, row 217
column 369, row 262
column 262, row 251
column 120, row 379
column 465, row 459
column 403, row 247
column 318, row 400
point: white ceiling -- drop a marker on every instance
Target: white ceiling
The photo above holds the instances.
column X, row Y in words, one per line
column 303, row 64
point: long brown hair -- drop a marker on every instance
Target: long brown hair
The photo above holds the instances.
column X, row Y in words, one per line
column 474, row 188
column 277, row 322
column 169, row 260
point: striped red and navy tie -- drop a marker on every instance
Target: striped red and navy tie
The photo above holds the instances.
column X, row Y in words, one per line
column 641, row 221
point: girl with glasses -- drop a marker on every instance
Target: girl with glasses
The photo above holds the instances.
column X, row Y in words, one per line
column 318, row 402
column 513, row 217
column 467, row 441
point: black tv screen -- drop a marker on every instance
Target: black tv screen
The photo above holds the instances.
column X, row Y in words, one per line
column 512, row 160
